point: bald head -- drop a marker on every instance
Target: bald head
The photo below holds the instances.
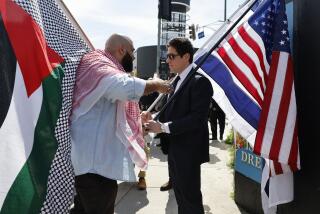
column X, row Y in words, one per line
column 121, row 48
column 117, row 41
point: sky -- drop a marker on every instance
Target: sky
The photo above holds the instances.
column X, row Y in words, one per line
column 138, row 18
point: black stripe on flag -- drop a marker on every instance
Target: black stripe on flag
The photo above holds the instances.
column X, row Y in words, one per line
column 8, row 63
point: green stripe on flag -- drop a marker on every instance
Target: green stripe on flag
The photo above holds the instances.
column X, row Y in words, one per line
column 28, row 191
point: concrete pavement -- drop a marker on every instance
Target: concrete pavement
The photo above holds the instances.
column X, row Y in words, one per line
column 217, row 186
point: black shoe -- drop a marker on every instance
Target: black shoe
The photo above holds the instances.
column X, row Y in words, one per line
column 165, row 187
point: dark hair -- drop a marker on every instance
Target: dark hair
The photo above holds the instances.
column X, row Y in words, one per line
column 183, row 46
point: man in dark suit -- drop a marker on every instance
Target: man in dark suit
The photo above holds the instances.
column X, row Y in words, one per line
column 216, row 113
column 183, row 127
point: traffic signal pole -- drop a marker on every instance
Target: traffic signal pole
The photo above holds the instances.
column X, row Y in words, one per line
column 158, row 49
column 225, row 11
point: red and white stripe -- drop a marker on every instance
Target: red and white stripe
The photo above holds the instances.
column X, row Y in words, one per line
column 244, row 54
column 272, row 87
column 277, row 132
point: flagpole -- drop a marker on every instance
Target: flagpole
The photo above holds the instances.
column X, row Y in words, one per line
column 207, row 54
column 67, row 12
column 223, row 36
column 228, row 21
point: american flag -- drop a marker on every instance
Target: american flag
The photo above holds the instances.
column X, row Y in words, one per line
column 252, row 76
column 277, row 137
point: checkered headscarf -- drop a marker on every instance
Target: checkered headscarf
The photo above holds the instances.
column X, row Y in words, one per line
column 93, row 67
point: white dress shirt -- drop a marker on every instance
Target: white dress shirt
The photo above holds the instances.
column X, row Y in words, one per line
column 182, row 76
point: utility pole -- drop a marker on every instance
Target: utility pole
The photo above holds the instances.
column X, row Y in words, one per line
column 225, row 10
column 158, row 48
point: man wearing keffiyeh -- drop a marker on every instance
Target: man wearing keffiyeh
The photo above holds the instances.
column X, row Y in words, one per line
column 106, row 126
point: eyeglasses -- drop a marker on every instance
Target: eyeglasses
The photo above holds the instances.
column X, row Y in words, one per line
column 172, row 56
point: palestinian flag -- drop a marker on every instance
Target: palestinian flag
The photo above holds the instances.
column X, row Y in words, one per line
column 35, row 167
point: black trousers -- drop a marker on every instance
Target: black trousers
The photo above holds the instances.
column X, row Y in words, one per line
column 95, row 194
column 186, row 181
column 221, row 117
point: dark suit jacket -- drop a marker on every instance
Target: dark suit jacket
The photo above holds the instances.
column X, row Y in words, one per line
column 188, row 112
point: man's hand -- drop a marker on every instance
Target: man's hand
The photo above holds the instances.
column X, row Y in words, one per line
column 164, row 86
column 144, row 131
column 145, row 116
column 156, row 84
column 153, row 126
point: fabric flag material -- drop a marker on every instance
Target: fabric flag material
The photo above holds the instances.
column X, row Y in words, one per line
column 252, row 76
column 276, row 189
column 39, row 52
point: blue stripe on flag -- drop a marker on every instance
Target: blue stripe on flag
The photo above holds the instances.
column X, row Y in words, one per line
column 243, row 104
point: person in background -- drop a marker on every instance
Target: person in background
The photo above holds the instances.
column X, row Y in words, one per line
column 106, row 131
column 216, row 113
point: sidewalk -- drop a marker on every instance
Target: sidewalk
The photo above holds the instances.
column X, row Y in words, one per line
column 217, row 186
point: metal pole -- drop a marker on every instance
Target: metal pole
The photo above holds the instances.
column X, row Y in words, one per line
column 158, row 49
column 200, row 52
column 242, row 7
column 204, row 58
column 225, row 10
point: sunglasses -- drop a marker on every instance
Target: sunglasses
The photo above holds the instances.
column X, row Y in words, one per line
column 171, row 56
